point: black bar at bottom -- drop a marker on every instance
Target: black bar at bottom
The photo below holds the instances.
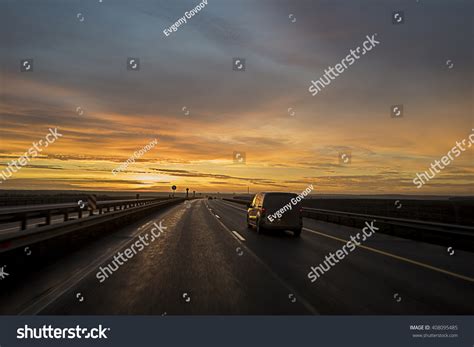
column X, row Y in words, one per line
column 275, row 331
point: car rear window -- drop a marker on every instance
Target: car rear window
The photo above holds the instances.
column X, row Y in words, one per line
column 277, row 200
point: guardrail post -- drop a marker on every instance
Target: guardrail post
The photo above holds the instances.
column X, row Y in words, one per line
column 80, row 213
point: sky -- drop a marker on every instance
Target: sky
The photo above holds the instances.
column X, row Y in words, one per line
column 187, row 95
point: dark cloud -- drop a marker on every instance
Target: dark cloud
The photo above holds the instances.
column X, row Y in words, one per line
column 187, row 173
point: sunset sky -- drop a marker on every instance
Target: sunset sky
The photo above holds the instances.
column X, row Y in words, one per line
column 83, row 64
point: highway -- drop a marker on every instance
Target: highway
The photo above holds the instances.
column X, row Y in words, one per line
column 208, row 262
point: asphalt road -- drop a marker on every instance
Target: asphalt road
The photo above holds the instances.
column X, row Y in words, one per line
column 208, row 262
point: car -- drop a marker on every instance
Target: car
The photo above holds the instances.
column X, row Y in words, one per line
column 262, row 213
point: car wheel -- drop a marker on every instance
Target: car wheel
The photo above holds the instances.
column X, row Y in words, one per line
column 297, row 232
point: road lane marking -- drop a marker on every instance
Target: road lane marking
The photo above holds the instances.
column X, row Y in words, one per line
column 306, row 304
column 218, row 216
column 240, row 237
column 434, row 268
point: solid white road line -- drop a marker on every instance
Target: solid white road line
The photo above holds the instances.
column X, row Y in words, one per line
column 387, row 254
column 394, row 256
column 240, row 237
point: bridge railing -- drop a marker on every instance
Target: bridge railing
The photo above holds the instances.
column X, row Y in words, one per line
column 338, row 216
column 342, row 217
column 55, row 240
column 47, row 212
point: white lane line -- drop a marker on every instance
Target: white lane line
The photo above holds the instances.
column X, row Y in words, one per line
column 240, row 237
column 398, row 257
column 290, row 289
column 414, row 262
column 217, row 216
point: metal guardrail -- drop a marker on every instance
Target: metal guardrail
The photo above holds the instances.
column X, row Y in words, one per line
column 23, row 214
column 95, row 224
column 451, row 229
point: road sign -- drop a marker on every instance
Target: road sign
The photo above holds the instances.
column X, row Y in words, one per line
column 173, row 187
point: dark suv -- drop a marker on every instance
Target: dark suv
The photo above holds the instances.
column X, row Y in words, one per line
column 274, row 211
